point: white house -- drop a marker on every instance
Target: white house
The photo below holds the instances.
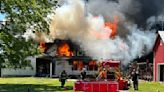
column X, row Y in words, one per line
column 51, row 64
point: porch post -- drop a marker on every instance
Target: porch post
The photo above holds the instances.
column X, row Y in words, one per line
column 50, row 69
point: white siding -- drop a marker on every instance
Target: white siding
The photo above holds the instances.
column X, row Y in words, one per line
column 62, row 65
column 21, row 72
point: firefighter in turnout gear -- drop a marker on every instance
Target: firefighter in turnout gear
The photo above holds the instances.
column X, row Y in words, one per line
column 63, row 78
column 135, row 79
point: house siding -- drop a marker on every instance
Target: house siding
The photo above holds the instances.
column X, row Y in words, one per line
column 27, row 71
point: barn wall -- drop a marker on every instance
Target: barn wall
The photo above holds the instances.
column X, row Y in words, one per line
column 21, row 72
column 159, row 58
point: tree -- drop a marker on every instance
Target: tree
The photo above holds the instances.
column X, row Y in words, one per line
column 19, row 14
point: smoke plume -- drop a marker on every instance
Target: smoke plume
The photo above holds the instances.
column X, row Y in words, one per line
column 84, row 24
column 71, row 21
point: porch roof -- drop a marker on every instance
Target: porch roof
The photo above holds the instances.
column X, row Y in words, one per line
column 72, row 58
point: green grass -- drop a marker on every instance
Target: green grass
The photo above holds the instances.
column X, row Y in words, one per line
column 33, row 84
column 150, row 87
column 22, row 84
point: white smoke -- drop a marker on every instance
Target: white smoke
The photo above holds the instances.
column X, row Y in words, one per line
column 37, row 36
column 70, row 22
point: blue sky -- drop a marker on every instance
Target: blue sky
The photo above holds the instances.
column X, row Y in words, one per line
column 2, row 17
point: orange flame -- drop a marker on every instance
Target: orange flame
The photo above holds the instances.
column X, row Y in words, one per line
column 64, row 50
column 42, row 47
column 110, row 29
column 113, row 26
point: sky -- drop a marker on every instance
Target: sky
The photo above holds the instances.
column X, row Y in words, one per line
column 1, row 17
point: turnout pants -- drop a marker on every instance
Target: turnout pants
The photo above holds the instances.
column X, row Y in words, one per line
column 63, row 82
column 135, row 85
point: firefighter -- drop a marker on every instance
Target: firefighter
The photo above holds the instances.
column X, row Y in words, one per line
column 135, row 79
column 63, row 78
column 83, row 74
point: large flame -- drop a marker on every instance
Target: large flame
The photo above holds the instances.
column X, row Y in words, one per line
column 64, row 50
column 109, row 29
column 113, row 26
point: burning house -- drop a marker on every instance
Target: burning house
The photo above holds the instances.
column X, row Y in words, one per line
column 64, row 55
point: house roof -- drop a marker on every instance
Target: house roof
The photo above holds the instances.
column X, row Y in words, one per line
column 161, row 34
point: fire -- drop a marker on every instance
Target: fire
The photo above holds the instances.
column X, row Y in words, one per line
column 109, row 30
column 78, row 65
column 42, row 47
column 64, row 50
column 112, row 25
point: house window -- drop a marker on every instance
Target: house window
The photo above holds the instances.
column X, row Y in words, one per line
column 64, row 50
column 92, row 66
column 77, row 65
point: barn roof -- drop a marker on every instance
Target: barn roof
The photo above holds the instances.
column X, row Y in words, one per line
column 161, row 34
column 157, row 42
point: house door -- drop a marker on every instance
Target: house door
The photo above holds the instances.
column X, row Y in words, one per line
column 53, row 67
column 42, row 67
column 161, row 72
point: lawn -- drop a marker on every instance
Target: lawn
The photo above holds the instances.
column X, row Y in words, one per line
column 33, row 84
column 150, row 87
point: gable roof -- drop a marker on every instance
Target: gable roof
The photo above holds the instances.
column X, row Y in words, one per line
column 161, row 34
column 159, row 37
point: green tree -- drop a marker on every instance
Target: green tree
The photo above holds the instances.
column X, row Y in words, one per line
column 19, row 14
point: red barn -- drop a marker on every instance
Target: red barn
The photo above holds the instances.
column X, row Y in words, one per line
column 159, row 57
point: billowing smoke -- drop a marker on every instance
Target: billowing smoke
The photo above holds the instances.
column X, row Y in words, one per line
column 137, row 11
column 86, row 27
column 148, row 9
column 71, row 22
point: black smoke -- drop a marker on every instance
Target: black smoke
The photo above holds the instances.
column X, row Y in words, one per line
column 148, row 8
column 137, row 11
